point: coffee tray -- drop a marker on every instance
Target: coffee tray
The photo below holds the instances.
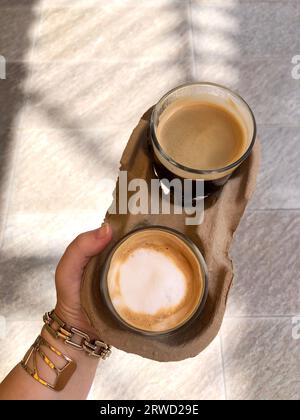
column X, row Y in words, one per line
column 213, row 237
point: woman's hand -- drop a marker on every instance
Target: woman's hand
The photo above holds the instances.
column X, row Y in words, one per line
column 18, row 384
column 69, row 275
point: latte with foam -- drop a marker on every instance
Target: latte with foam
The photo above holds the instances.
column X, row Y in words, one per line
column 155, row 280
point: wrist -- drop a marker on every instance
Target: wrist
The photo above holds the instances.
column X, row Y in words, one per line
column 63, row 354
column 76, row 338
column 77, row 319
column 79, row 356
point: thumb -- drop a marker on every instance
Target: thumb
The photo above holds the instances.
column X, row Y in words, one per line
column 79, row 252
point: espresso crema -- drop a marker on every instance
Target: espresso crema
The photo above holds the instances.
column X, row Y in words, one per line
column 201, row 135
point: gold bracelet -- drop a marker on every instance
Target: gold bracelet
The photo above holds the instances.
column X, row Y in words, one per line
column 95, row 348
column 63, row 375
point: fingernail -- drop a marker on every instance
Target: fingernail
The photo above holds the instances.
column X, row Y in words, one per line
column 103, row 231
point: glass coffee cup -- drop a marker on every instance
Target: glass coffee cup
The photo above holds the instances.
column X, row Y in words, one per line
column 224, row 155
column 154, row 281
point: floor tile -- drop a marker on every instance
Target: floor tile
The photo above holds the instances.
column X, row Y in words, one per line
column 114, row 31
column 24, row 3
column 32, row 246
column 266, row 84
column 126, row 376
column 245, row 28
column 261, row 359
column 279, row 176
column 71, row 3
column 269, row 88
column 46, row 234
column 267, row 265
column 26, row 285
column 12, row 351
column 66, row 170
column 12, row 95
column 91, row 95
column 18, row 28
column 7, row 158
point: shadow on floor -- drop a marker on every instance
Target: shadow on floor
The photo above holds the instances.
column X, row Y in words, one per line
column 15, row 44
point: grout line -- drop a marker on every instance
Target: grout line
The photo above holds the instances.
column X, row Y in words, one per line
column 134, row 59
column 281, row 125
column 261, row 316
column 16, row 151
column 141, row 61
column 107, row 128
column 137, row 60
column 110, row 60
column 266, row 210
column 223, row 366
column 191, row 36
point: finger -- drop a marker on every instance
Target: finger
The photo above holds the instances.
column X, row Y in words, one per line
column 79, row 252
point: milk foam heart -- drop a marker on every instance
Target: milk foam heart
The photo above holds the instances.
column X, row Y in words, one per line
column 155, row 280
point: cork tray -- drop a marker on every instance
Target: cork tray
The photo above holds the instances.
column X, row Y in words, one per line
column 213, row 237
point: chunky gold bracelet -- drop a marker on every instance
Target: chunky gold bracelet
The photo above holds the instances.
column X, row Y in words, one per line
column 63, row 374
column 69, row 335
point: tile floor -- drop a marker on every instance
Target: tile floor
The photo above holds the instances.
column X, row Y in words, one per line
column 79, row 75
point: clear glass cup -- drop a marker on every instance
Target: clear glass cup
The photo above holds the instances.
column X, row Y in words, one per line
column 166, row 167
column 104, row 289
